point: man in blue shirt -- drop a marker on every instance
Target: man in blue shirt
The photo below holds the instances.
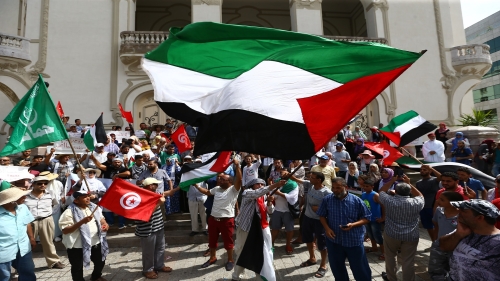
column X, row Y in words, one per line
column 15, row 227
column 465, row 179
column 343, row 215
column 462, row 154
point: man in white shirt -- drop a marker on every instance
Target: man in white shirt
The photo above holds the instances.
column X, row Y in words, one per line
column 222, row 216
column 251, row 170
column 99, row 154
column 433, row 150
column 196, row 199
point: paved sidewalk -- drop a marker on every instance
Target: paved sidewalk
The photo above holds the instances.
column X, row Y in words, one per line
column 125, row 264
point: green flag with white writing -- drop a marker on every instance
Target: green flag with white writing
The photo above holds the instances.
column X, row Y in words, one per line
column 35, row 121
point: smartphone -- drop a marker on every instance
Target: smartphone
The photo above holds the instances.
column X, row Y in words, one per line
column 399, row 172
column 343, row 226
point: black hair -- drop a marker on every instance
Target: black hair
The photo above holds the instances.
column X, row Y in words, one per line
column 339, row 180
column 138, row 156
column 452, row 175
column 369, row 181
column 318, row 175
column 464, row 169
column 38, row 156
column 452, row 196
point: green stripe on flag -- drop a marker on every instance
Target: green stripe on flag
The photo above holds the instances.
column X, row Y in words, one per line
column 186, row 184
column 226, row 51
column 398, row 120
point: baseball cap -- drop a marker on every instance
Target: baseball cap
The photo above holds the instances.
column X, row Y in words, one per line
column 154, row 147
column 339, row 144
column 324, row 157
column 188, row 157
column 99, row 144
column 77, row 194
column 483, row 207
column 149, row 181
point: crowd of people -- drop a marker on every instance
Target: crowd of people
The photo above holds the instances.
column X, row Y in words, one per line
column 341, row 197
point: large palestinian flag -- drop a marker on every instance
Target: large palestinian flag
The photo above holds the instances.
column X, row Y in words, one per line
column 197, row 172
column 267, row 91
column 406, row 128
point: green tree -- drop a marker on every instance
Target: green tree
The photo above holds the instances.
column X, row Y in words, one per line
column 477, row 118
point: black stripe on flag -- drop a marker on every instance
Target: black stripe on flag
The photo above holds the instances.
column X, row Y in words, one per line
column 100, row 133
column 417, row 132
column 252, row 255
column 241, row 130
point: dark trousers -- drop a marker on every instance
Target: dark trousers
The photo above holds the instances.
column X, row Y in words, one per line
column 357, row 261
column 75, row 257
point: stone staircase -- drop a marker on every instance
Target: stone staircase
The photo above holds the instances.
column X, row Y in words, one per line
column 177, row 229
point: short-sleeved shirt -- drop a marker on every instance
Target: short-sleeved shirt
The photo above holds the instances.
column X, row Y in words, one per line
column 13, row 235
column 160, row 175
column 476, row 257
column 428, row 187
column 446, row 225
column 459, row 190
column 224, row 201
column 155, row 223
column 475, row 185
column 338, row 156
column 402, row 216
column 73, row 239
column 329, row 173
column 314, row 198
column 111, row 171
column 463, row 153
column 39, row 207
column 341, row 212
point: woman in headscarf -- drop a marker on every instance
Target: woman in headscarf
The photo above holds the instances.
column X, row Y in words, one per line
column 482, row 157
column 441, row 134
column 358, row 133
column 358, row 149
column 385, row 176
column 374, row 173
column 459, row 136
column 351, row 177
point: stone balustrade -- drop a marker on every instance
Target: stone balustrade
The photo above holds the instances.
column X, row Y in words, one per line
column 15, row 49
column 475, row 56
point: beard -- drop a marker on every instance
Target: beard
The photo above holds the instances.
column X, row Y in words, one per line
column 152, row 168
column 341, row 195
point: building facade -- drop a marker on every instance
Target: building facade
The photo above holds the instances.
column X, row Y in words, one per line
column 89, row 50
column 487, row 92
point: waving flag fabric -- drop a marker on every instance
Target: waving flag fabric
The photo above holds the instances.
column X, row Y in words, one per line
column 197, row 172
column 59, row 109
column 96, row 134
column 181, row 139
column 255, row 89
column 406, row 128
column 126, row 114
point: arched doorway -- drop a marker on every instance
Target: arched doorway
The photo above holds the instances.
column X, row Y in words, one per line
column 147, row 111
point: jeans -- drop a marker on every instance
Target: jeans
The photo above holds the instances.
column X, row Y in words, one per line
column 374, row 232
column 357, row 261
column 110, row 219
column 75, row 257
column 24, row 265
column 496, row 169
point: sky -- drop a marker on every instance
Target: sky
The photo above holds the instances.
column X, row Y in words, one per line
column 476, row 10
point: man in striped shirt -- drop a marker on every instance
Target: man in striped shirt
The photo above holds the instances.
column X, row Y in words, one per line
column 152, row 234
column 401, row 227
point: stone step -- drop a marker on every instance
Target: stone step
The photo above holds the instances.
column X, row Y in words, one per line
column 172, row 237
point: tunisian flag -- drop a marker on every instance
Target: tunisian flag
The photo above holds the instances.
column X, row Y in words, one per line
column 389, row 153
column 59, row 109
column 129, row 200
column 181, row 139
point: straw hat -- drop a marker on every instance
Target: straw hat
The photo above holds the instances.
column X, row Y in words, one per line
column 11, row 194
column 49, row 175
column 97, row 171
column 369, row 153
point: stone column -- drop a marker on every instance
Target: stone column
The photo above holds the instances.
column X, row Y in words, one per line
column 206, row 10
column 306, row 16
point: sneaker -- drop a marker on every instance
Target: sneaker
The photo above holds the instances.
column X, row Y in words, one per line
column 193, row 233
column 122, row 227
column 57, row 239
column 131, row 225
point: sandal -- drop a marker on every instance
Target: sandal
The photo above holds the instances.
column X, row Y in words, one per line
column 165, row 269
column 150, row 275
column 308, row 263
column 207, row 253
column 320, row 273
column 381, row 257
column 289, row 249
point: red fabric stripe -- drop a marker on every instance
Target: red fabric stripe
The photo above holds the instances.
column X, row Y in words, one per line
column 395, row 137
column 327, row 113
column 222, row 162
column 126, row 114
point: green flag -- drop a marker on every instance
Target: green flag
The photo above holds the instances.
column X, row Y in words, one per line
column 35, row 121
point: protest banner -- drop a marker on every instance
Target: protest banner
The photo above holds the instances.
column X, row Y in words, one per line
column 14, row 173
column 64, row 147
column 119, row 134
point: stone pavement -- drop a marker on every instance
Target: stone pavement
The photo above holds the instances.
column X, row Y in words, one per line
column 125, row 264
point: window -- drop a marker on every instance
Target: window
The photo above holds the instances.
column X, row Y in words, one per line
column 486, row 94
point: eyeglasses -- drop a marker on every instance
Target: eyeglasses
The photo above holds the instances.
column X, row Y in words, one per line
column 92, row 172
column 42, row 183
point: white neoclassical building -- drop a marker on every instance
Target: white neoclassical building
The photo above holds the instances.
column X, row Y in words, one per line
column 89, row 50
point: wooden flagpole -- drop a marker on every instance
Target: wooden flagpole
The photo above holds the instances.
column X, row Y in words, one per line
column 411, row 155
column 288, row 176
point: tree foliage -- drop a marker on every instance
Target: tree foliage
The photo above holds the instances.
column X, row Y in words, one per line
column 477, row 118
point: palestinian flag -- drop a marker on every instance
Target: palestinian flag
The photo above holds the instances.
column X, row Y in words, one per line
column 254, row 89
column 96, row 134
column 406, row 128
column 257, row 253
column 197, row 172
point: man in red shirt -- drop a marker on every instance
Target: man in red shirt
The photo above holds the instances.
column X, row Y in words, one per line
column 449, row 181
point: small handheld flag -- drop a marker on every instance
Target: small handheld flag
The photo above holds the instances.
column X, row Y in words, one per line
column 126, row 114
column 181, row 139
column 60, row 109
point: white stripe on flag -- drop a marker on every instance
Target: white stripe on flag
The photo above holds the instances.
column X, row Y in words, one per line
column 270, row 89
column 410, row 124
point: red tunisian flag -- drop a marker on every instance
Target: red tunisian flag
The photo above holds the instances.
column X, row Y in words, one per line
column 181, row 139
column 389, row 153
column 128, row 200
column 59, row 109
column 126, row 114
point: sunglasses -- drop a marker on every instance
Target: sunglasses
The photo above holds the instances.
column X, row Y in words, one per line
column 92, row 172
column 42, row 183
